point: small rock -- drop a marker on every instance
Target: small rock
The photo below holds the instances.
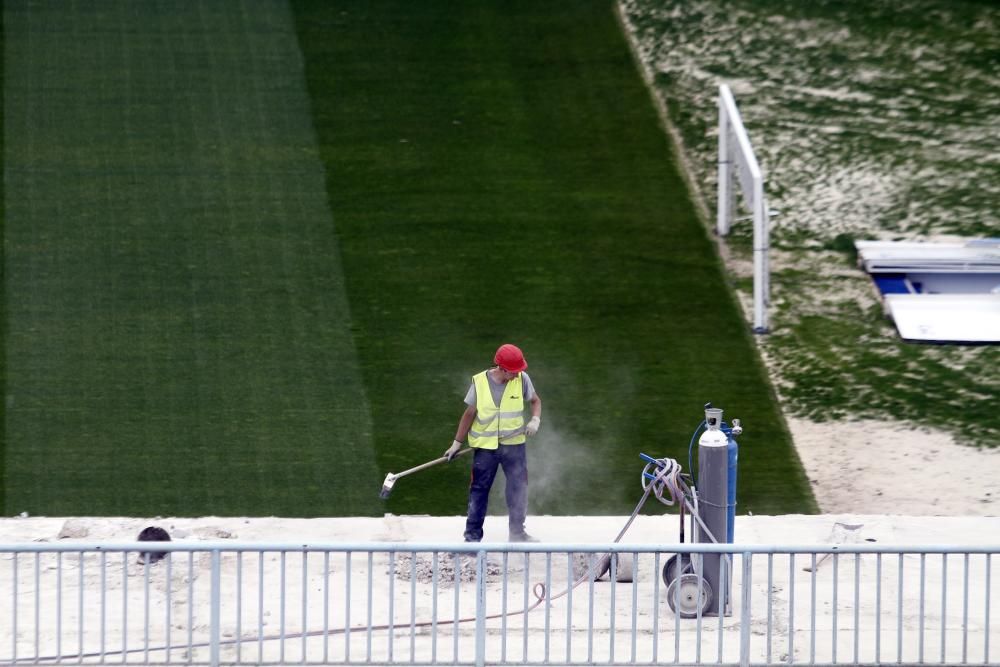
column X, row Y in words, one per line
column 73, row 529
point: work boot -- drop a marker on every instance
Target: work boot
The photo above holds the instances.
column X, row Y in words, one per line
column 522, row 537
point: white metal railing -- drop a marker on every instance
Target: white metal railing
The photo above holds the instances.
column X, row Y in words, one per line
column 425, row 604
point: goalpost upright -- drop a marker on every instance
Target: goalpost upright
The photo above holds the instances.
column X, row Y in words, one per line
column 736, row 158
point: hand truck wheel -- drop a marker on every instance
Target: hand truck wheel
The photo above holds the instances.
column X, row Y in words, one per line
column 670, row 568
column 689, row 595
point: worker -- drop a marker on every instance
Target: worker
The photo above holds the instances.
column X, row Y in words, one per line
column 494, row 423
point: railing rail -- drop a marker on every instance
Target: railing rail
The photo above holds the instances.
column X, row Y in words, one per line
column 227, row 602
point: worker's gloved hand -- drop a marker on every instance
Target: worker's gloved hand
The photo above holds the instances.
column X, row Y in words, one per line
column 453, row 450
column 531, row 428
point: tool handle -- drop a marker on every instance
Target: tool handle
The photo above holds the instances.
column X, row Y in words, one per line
column 649, row 459
column 422, row 466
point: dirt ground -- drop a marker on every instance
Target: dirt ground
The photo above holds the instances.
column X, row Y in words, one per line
column 872, row 467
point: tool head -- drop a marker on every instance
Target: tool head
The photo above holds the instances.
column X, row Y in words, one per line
column 390, row 479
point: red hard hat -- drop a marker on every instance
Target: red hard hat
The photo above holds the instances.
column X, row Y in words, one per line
column 510, row 358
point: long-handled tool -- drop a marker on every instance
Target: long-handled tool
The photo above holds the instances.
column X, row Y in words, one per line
column 391, row 478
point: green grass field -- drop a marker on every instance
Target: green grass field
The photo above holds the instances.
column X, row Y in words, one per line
column 251, row 260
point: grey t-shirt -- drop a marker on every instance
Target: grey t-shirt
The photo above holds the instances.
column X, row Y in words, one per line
column 527, row 390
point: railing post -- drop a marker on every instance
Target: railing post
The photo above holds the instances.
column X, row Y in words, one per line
column 745, row 611
column 480, row 608
column 214, row 622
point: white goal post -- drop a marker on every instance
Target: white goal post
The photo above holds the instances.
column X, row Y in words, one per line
column 737, row 162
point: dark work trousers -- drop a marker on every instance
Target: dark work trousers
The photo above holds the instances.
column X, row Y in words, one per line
column 484, row 470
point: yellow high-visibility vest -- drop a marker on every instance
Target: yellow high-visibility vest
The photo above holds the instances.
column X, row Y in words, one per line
column 495, row 426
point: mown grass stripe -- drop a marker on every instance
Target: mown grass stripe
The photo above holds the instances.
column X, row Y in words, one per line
column 497, row 172
column 179, row 337
column 3, row 292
